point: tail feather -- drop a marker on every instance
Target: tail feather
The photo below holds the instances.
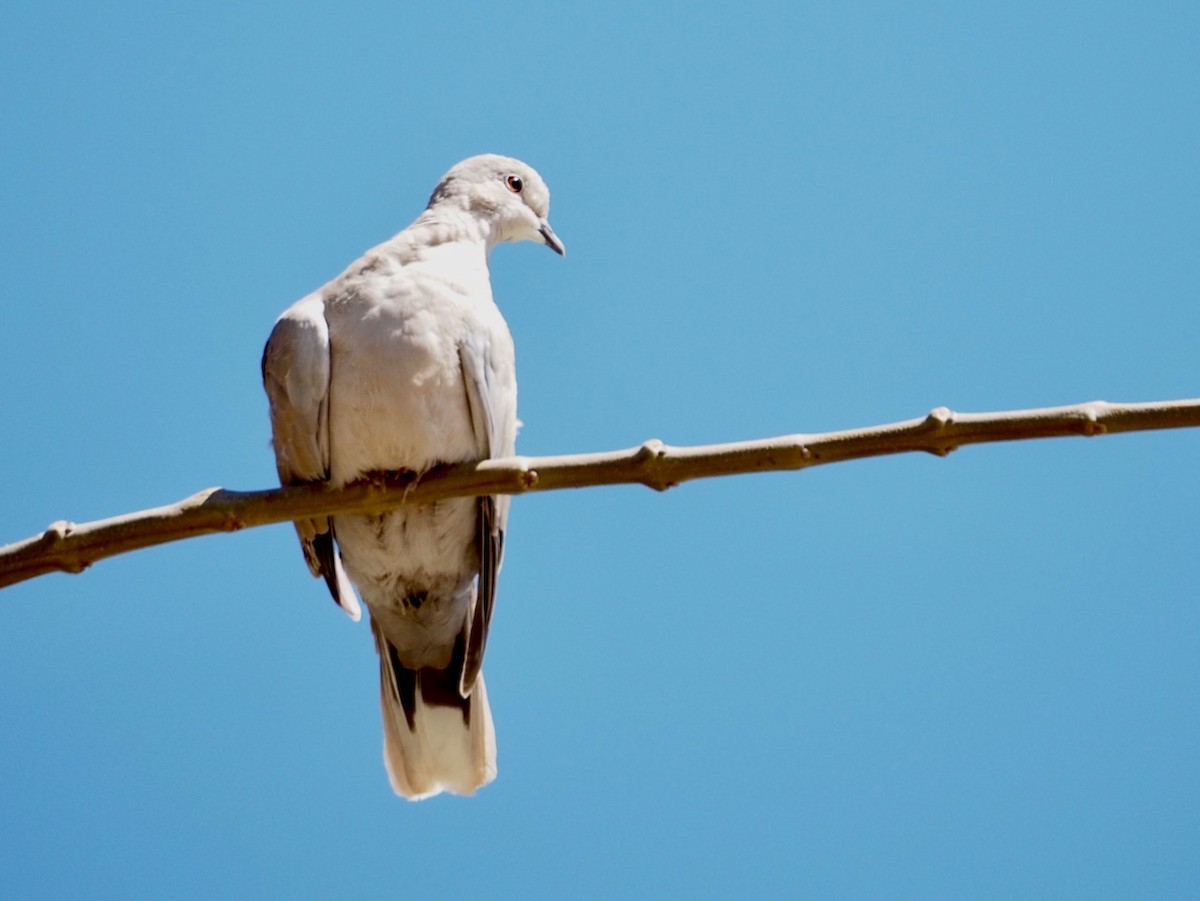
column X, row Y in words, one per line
column 434, row 739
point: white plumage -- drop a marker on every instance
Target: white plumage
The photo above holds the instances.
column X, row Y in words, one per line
column 401, row 363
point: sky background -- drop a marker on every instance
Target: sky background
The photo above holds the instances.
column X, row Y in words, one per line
column 909, row 677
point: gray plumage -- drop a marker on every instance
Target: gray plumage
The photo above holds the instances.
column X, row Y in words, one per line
column 401, row 363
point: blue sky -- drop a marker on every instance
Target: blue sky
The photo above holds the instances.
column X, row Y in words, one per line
column 909, row 677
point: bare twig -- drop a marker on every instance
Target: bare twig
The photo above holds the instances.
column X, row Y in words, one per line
column 68, row 547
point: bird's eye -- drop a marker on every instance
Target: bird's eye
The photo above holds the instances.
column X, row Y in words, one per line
column 514, row 183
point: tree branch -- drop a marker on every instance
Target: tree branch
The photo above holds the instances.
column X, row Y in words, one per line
column 68, row 547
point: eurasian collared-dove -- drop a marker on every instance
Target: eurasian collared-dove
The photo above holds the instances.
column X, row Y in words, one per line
column 401, row 363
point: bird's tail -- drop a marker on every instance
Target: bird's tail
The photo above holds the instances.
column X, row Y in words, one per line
column 434, row 739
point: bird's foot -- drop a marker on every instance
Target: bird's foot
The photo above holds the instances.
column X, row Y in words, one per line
column 392, row 478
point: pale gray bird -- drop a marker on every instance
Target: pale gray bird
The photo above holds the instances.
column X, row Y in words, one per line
column 400, row 363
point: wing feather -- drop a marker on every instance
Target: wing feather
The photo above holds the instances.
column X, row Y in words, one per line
column 493, row 420
column 296, row 372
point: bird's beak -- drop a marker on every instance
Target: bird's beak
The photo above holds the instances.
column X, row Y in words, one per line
column 551, row 240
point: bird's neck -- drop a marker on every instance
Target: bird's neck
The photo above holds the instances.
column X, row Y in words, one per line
column 439, row 225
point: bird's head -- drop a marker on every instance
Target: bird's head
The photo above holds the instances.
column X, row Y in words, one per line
column 507, row 192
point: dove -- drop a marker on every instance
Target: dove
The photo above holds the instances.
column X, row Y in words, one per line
column 401, row 363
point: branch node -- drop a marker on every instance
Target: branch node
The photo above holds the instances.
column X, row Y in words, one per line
column 942, row 450
column 55, row 533
column 650, row 450
column 58, row 530
column 939, row 418
column 1092, row 425
column 648, row 458
column 528, row 478
column 938, row 422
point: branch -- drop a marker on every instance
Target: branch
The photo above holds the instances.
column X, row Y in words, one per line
column 68, row 547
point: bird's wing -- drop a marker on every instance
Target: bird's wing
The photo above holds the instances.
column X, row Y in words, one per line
column 295, row 370
column 491, row 401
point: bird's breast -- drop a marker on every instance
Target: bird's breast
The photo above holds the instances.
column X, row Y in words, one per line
column 397, row 398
